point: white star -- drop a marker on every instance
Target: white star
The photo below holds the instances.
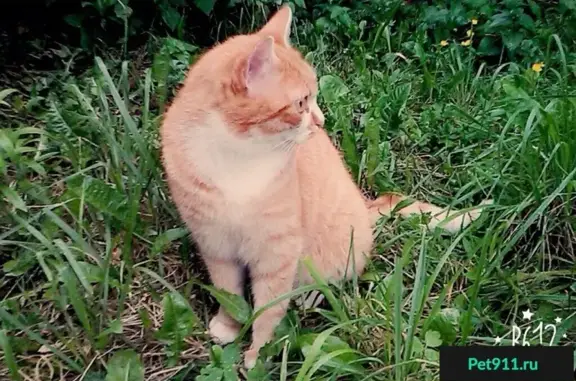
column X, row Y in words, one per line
column 565, row 336
column 558, row 320
column 498, row 340
column 527, row 315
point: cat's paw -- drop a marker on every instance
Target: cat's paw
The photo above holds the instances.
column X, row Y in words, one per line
column 223, row 330
column 250, row 357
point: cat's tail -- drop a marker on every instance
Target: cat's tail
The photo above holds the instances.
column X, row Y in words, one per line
column 448, row 219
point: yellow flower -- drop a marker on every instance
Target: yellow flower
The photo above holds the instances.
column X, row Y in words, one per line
column 469, row 33
column 474, row 21
column 466, row 43
column 537, row 67
column 443, row 43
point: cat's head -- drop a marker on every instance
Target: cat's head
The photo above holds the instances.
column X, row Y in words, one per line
column 272, row 89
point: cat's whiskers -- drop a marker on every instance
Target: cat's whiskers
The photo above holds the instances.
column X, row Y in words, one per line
column 285, row 145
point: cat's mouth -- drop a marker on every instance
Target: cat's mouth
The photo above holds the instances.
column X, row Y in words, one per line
column 305, row 133
column 301, row 138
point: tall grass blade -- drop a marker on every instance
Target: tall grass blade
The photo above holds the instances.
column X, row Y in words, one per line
column 9, row 357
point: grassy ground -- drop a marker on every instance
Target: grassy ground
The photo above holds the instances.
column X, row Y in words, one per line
column 99, row 277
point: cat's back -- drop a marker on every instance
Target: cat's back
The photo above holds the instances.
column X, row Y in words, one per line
column 332, row 207
column 325, row 179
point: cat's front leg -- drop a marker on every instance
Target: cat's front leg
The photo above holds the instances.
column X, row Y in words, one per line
column 226, row 273
column 272, row 276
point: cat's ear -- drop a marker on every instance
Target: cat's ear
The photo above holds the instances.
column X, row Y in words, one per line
column 260, row 63
column 279, row 26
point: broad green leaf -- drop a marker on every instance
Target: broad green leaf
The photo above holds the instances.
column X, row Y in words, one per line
column 102, row 196
column 163, row 240
column 230, row 354
column 417, row 347
column 514, row 92
column 115, row 327
column 216, row 354
column 22, row 262
column 512, row 4
column 527, row 22
column 122, row 11
column 258, row 373
column 420, row 53
column 499, row 21
column 205, row 6
column 171, row 17
column 330, row 345
column 431, row 355
column 568, row 4
column 13, row 198
column 512, row 40
column 446, row 322
column 535, row 8
column 125, row 365
column 179, row 319
column 229, row 358
column 433, row 339
column 35, row 166
column 210, row 373
column 235, row 305
column 6, row 142
column 74, row 20
column 103, row 338
column 332, row 88
column 487, row 47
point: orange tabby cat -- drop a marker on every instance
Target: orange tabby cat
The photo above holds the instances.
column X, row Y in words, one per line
column 259, row 183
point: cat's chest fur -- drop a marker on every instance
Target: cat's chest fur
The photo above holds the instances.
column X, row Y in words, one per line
column 241, row 169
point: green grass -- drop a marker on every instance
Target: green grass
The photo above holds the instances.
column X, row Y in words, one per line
column 100, row 280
